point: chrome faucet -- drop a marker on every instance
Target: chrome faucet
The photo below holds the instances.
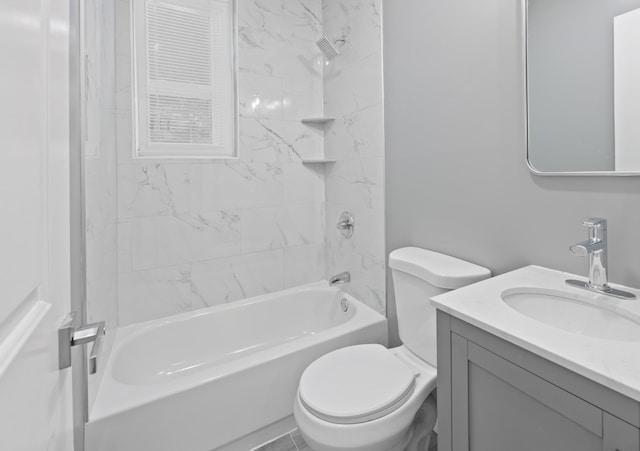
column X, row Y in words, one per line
column 595, row 247
column 343, row 277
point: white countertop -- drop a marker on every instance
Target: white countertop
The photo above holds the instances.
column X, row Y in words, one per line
column 614, row 364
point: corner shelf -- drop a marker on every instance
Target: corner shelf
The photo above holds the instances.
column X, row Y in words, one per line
column 314, row 121
column 317, row 120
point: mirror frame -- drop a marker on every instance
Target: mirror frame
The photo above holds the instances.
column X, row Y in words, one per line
column 532, row 169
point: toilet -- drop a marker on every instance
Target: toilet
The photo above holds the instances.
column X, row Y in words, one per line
column 366, row 397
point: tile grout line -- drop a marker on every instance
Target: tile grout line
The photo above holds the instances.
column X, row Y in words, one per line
column 293, row 440
column 295, row 445
column 290, row 434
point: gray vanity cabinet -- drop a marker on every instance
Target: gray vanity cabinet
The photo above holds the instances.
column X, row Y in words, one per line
column 495, row 396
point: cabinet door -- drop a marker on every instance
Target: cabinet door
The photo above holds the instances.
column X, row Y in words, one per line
column 619, row 435
column 498, row 406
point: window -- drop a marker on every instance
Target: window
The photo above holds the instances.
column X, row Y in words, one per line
column 184, row 78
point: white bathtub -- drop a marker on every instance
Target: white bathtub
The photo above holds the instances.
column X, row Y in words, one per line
column 204, row 379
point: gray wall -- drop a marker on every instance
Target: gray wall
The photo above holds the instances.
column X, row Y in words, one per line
column 456, row 178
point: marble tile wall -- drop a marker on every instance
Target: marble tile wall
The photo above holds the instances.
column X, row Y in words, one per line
column 100, row 173
column 195, row 233
column 353, row 95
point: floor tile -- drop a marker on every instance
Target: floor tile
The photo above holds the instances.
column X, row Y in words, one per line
column 300, row 443
column 295, row 442
column 284, row 443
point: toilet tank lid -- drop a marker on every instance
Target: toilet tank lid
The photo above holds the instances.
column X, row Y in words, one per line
column 440, row 270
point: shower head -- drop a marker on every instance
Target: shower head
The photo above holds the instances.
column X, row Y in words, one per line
column 327, row 48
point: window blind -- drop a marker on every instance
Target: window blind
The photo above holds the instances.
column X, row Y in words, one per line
column 185, row 87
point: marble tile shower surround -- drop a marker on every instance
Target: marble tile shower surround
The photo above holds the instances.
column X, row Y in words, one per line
column 195, row 233
column 100, row 173
column 352, row 86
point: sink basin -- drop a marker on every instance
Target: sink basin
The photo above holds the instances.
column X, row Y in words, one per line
column 572, row 314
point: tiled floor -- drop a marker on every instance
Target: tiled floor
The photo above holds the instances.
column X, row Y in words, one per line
column 293, row 441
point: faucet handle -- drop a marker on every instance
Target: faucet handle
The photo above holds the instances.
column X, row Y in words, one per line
column 596, row 223
column 579, row 249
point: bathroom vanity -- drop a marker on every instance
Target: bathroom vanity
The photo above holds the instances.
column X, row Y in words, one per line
column 528, row 363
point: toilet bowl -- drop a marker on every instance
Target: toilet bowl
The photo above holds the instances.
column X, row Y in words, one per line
column 350, row 411
column 365, row 397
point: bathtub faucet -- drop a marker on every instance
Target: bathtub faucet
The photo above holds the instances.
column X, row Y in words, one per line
column 343, row 277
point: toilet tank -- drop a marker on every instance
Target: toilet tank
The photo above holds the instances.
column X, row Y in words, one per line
column 418, row 275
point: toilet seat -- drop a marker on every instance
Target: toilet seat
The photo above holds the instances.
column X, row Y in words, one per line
column 356, row 384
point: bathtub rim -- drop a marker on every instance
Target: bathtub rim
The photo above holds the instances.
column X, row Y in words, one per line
column 127, row 397
column 129, row 332
column 282, row 301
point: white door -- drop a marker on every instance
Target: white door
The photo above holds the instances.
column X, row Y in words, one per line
column 35, row 397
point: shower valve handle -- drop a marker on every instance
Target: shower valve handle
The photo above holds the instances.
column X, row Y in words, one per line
column 346, row 224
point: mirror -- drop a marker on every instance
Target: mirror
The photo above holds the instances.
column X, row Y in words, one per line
column 583, row 86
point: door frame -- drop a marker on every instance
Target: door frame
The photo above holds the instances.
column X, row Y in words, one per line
column 77, row 212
